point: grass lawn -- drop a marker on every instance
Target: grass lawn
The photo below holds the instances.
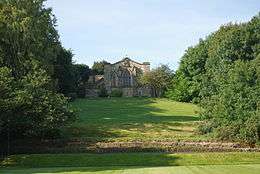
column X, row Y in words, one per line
column 211, row 169
column 222, row 163
column 134, row 119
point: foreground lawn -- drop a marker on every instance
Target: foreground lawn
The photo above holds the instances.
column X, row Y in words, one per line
column 194, row 163
column 212, row 169
column 134, row 119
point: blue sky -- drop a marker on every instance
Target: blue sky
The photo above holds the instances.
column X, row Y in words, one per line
column 158, row 31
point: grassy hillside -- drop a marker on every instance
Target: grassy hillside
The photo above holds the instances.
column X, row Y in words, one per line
column 134, row 119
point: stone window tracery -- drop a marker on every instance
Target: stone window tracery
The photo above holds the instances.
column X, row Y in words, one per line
column 125, row 78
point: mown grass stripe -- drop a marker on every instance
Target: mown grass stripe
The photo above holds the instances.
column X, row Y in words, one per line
column 130, row 159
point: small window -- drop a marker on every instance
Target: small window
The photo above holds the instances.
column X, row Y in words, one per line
column 140, row 93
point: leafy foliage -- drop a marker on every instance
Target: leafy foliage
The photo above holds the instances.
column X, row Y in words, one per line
column 63, row 72
column 27, row 31
column 222, row 72
column 98, row 67
column 187, row 82
column 81, row 74
column 29, row 52
column 29, row 107
column 158, row 79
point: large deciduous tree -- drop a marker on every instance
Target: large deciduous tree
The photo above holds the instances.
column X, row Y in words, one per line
column 81, row 75
column 29, row 49
column 27, row 31
column 158, row 79
column 187, row 82
column 98, row 67
column 222, row 73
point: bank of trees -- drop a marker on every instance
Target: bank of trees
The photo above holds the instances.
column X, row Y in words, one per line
column 36, row 72
column 222, row 74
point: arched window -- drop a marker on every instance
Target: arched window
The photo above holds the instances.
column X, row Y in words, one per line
column 125, row 78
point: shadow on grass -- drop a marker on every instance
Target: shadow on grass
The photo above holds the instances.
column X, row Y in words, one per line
column 104, row 119
column 89, row 163
column 78, row 170
column 107, row 115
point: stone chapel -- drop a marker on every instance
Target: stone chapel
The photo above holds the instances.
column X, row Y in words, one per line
column 122, row 76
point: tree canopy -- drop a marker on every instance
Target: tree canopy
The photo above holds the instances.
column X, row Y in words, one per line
column 158, row 79
column 32, row 60
column 221, row 72
column 98, row 67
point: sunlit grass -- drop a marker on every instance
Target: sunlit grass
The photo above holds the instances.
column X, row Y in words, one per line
column 134, row 119
column 130, row 159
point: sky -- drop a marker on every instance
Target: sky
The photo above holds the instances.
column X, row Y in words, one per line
column 155, row 31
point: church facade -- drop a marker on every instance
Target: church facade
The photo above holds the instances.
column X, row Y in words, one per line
column 122, row 76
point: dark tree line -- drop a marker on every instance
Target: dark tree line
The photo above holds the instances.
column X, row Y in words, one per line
column 70, row 78
column 222, row 74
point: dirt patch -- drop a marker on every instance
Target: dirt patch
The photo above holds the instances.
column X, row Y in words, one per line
column 172, row 147
column 78, row 146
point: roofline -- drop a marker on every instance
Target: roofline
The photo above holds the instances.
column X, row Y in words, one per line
column 144, row 63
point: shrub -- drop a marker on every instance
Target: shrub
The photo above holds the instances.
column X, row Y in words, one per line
column 205, row 127
column 116, row 93
column 103, row 92
column 28, row 108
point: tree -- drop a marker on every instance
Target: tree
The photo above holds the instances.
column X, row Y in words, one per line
column 81, row 75
column 187, row 82
column 179, row 88
column 27, row 33
column 28, row 108
column 231, row 82
column 63, row 72
column 98, row 67
column 233, row 111
column 222, row 74
column 158, row 79
column 29, row 48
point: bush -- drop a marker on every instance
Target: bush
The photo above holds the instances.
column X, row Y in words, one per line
column 103, row 92
column 205, row 127
column 28, row 108
column 116, row 93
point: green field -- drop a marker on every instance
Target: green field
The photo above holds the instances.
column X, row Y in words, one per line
column 222, row 163
column 129, row 120
column 134, row 119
